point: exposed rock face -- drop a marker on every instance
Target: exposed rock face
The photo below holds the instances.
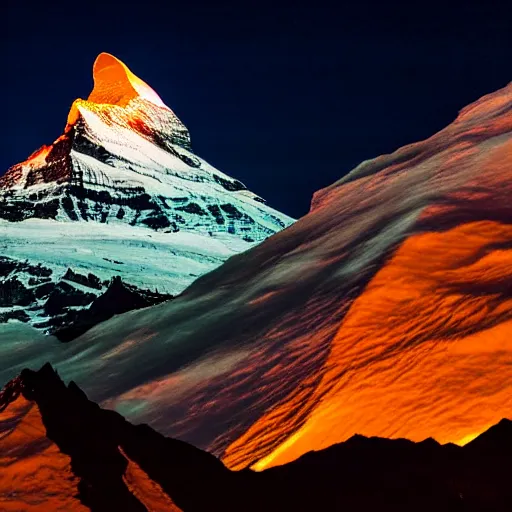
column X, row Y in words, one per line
column 102, row 462
column 69, row 306
column 118, row 298
column 124, row 162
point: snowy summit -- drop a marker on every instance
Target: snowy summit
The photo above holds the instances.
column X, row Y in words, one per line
column 119, row 193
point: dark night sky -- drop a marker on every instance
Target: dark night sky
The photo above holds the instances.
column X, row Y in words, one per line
column 285, row 99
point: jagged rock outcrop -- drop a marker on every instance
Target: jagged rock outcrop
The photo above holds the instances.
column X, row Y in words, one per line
column 118, row 298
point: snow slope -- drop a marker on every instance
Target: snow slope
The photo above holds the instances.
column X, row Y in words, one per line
column 386, row 311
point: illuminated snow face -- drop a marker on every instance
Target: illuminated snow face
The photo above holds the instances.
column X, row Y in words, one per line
column 115, row 84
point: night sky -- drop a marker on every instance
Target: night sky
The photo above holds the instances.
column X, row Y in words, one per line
column 285, row 99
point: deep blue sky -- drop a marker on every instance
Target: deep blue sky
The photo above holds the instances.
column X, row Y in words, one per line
column 285, row 99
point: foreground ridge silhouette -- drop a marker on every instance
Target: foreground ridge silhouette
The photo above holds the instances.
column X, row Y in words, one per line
column 116, row 465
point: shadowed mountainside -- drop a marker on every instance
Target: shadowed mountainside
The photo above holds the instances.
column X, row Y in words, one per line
column 82, row 456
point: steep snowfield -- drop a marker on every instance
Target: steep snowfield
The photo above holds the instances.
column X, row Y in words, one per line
column 155, row 260
column 120, row 193
column 164, row 263
column 387, row 310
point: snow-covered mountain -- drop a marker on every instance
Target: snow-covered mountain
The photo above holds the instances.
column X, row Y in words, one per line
column 120, row 193
column 385, row 311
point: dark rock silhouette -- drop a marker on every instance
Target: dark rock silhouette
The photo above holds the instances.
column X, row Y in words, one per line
column 359, row 474
column 119, row 297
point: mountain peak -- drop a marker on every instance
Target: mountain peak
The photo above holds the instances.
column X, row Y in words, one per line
column 120, row 97
column 124, row 160
column 115, row 84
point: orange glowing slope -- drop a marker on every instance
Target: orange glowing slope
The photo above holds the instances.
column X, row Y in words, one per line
column 425, row 349
column 37, row 476
column 34, row 474
column 115, row 84
column 387, row 310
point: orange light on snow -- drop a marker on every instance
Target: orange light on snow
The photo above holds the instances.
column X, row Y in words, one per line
column 115, row 84
column 32, row 465
column 425, row 350
column 432, row 321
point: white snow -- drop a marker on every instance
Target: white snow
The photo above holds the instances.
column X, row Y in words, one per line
column 130, row 178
